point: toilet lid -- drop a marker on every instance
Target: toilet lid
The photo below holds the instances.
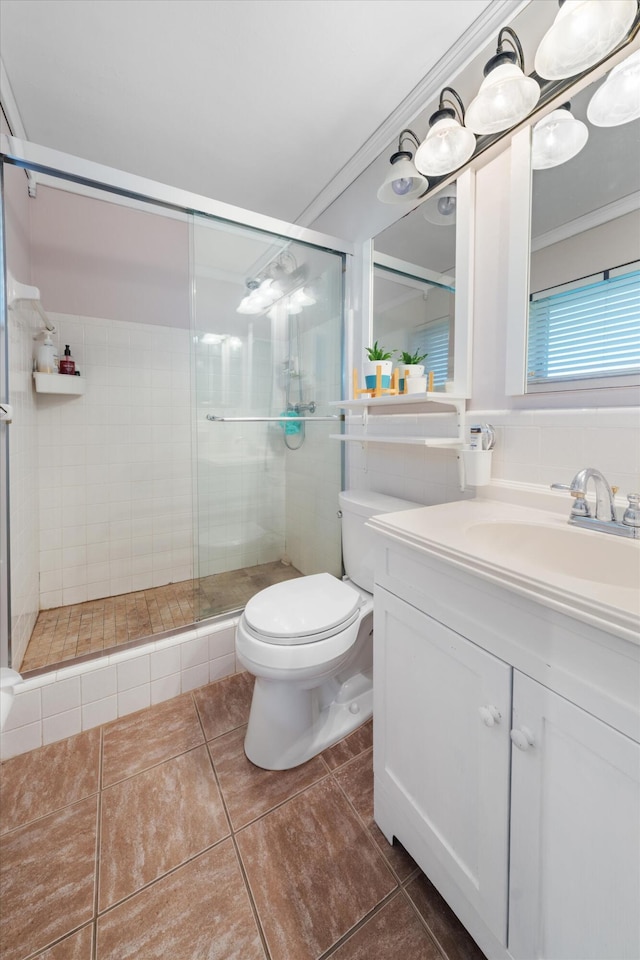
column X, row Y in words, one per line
column 302, row 608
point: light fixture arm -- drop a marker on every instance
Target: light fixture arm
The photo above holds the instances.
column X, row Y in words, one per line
column 512, row 38
column 456, row 100
column 407, row 134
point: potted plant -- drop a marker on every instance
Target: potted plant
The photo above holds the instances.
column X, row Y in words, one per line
column 377, row 357
column 410, row 365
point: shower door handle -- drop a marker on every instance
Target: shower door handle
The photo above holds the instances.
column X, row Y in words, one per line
column 6, row 412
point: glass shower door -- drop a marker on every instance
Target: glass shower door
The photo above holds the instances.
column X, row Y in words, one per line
column 267, row 341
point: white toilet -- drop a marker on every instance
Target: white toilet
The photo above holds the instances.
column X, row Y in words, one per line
column 308, row 644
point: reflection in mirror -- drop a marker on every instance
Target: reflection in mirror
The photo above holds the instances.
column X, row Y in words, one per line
column 584, row 284
column 414, row 286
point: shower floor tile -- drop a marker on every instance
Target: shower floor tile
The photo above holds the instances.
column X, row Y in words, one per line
column 65, row 633
column 296, row 872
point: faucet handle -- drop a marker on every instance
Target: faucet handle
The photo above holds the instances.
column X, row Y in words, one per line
column 580, row 506
column 631, row 516
column 561, row 486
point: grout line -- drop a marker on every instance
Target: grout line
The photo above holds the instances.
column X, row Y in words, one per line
column 424, row 923
column 56, row 943
column 96, row 892
column 245, row 879
column 358, row 926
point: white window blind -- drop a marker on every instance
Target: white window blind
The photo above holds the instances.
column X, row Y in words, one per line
column 589, row 328
column 433, row 339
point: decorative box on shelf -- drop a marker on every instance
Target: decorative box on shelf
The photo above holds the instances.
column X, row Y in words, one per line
column 59, row 383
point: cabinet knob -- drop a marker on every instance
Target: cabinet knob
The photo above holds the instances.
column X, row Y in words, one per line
column 522, row 738
column 490, row 715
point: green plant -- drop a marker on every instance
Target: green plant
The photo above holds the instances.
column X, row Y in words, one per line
column 379, row 353
column 409, row 359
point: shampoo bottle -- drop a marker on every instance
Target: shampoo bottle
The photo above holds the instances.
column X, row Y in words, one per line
column 46, row 356
column 67, row 363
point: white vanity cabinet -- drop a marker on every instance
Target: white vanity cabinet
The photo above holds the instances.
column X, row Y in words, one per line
column 575, row 832
column 442, row 747
column 521, row 806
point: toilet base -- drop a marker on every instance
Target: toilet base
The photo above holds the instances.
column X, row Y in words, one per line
column 289, row 724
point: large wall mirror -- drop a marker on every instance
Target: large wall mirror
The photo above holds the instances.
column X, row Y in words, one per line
column 579, row 262
column 421, row 282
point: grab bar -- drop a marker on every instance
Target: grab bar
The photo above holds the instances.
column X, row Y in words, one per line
column 293, row 419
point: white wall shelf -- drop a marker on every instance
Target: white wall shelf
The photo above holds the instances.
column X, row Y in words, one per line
column 402, row 400
column 386, row 405
column 59, row 383
column 419, row 441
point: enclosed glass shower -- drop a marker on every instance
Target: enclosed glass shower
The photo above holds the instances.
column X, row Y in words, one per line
column 190, row 463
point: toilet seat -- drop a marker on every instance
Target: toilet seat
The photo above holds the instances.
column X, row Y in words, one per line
column 302, row 611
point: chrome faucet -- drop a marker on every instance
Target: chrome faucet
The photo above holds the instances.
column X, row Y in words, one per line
column 605, row 519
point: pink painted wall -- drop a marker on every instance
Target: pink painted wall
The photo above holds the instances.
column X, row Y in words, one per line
column 94, row 258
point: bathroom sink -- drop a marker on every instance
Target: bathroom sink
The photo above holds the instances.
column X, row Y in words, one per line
column 594, row 576
column 596, row 557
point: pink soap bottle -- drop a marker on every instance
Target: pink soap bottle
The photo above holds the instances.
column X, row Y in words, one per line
column 67, row 363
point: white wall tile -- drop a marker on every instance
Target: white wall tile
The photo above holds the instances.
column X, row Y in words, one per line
column 25, row 709
column 98, row 684
column 165, row 662
column 222, row 667
column 194, row 652
column 133, row 673
column 61, row 725
column 137, row 698
column 99, row 711
column 165, row 688
column 194, row 677
column 222, row 642
column 20, row 740
column 61, row 696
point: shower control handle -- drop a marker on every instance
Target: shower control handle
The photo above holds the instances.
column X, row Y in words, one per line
column 6, row 412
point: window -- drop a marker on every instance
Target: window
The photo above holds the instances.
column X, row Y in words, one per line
column 433, row 339
column 589, row 328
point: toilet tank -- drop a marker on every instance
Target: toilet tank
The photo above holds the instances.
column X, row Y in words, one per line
column 358, row 541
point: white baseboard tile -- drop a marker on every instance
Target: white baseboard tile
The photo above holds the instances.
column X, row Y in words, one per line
column 80, row 696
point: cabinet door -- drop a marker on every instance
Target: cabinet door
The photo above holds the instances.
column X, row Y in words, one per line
column 575, row 833
column 441, row 736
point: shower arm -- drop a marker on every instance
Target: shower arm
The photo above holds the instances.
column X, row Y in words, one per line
column 293, row 419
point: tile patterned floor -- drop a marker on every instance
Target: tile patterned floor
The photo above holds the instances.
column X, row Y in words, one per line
column 153, row 837
column 65, row 633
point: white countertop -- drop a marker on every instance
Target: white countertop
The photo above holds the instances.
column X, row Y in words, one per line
column 592, row 576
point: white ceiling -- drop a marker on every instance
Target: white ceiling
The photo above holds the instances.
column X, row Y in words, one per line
column 259, row 103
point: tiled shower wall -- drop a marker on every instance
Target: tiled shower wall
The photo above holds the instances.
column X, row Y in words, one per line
column 314, row 472
column 23, row 466
column 537, row 447
column 115, row 464
column 240, row 466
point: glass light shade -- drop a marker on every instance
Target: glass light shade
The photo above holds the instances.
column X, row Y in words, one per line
column 250, row 305
column 293, row 307
column 303, row 298
column 403, row 182
column 446, row 147
column 617, row 101
column 441, row 210
column 557, row 138
column 582, row 34
column 505, row 97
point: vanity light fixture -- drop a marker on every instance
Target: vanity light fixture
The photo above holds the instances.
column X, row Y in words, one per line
column 441, row 209
column 617, row 101
column 557, row 138
column 403, row 182
column 582, row 34
column 506, row 94
column 448, row 143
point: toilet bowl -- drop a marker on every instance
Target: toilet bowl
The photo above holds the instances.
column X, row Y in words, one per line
column 308, row 643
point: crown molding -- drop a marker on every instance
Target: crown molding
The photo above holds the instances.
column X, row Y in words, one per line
column 479, row 33
column 629, row 204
